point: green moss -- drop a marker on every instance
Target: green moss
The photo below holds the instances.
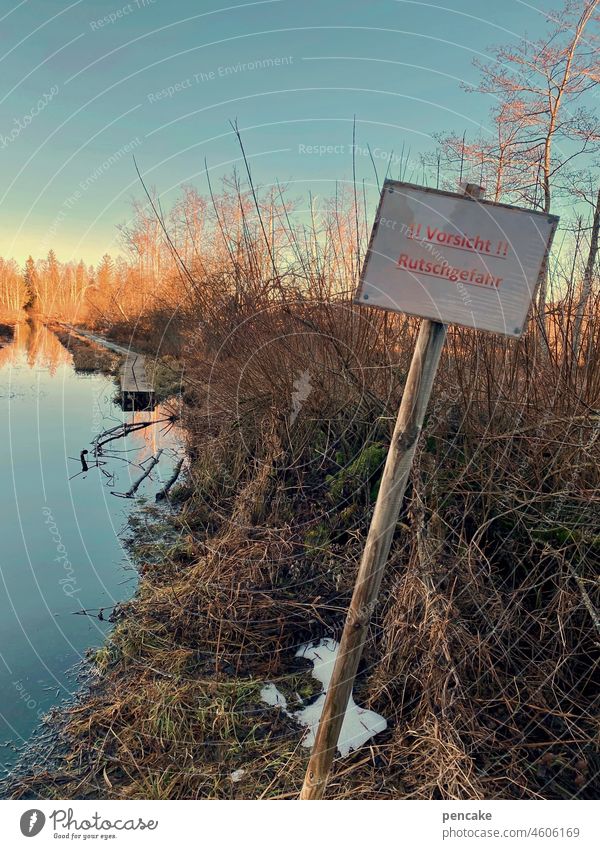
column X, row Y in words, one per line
column 359, row 475
column 104, row 657
column 430, row 443
column 299, row 688
column 348, row 515
column 316, row 539
column 566, row 536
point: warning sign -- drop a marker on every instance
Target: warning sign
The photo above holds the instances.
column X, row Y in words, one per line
column 454, row 259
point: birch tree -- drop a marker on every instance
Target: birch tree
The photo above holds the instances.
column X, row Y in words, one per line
column 540, row 123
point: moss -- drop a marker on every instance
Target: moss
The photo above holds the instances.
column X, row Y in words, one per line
column 558, row 534
column 348, row 515
column 299, row 689
column 104, row 657
column 357, row 476
column 317, row 539
column 180, row 493
column 566, row 536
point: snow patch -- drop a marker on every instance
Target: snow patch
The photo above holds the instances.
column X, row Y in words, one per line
column 271, row 696
column 359, row 724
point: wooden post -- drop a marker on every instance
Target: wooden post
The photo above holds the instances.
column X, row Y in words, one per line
column 387, row 508
column 398, row 464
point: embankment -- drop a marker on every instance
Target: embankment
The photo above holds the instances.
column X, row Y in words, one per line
column 482, row 655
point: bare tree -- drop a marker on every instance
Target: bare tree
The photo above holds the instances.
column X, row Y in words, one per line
column 590, row 265
column 539, row 127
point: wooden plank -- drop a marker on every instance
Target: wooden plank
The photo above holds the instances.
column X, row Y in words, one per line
column 134, row 376
column 100, row 340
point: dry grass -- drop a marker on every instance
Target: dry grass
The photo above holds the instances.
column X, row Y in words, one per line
column 483, row 654
column 87, row 356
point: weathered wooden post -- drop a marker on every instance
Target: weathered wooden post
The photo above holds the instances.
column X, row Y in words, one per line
column 389, row 500
column 406, row 434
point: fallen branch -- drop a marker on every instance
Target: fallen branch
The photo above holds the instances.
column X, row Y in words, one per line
column 164, row 492
column 133, row 489
column 120, row 431
column 96, row 613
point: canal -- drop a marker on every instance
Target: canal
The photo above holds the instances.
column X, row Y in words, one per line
column 62, row 547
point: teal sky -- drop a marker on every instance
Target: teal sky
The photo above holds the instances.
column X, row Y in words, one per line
column 85, row 84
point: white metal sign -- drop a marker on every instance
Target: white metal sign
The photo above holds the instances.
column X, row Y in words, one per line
column 454, row 259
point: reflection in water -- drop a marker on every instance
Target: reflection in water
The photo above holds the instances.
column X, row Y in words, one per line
column 38, row 345
column 63, row 549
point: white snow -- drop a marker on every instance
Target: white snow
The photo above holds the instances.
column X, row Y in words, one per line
column 323, row 656
column 359, row 724
column 271, row 696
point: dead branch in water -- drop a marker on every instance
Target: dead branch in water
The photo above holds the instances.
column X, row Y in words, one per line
column 86, row 468
column 122, row 430
column 133, row 489
column 164, row 492
column 99, row 612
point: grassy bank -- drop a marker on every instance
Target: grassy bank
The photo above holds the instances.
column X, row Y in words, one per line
column 88, row 358
column 483, row 653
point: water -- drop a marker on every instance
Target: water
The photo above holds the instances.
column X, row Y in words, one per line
column 61, row 533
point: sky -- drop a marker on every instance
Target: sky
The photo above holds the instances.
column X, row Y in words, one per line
column 86, row 85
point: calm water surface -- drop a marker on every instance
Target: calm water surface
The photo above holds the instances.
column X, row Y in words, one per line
column 61, row 546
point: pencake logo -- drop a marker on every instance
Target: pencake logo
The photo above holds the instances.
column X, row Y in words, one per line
column 32, row 822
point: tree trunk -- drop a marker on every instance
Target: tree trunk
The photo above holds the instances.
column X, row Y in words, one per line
column 586, row 289
column 554, row 113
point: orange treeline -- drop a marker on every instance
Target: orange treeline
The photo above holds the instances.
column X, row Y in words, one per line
column 204, row 254
column 60, row 290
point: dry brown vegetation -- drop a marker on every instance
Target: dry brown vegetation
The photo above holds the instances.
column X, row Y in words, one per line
column 483, row 654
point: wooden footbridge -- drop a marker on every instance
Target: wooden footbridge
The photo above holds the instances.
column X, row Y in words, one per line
column 137, row 389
